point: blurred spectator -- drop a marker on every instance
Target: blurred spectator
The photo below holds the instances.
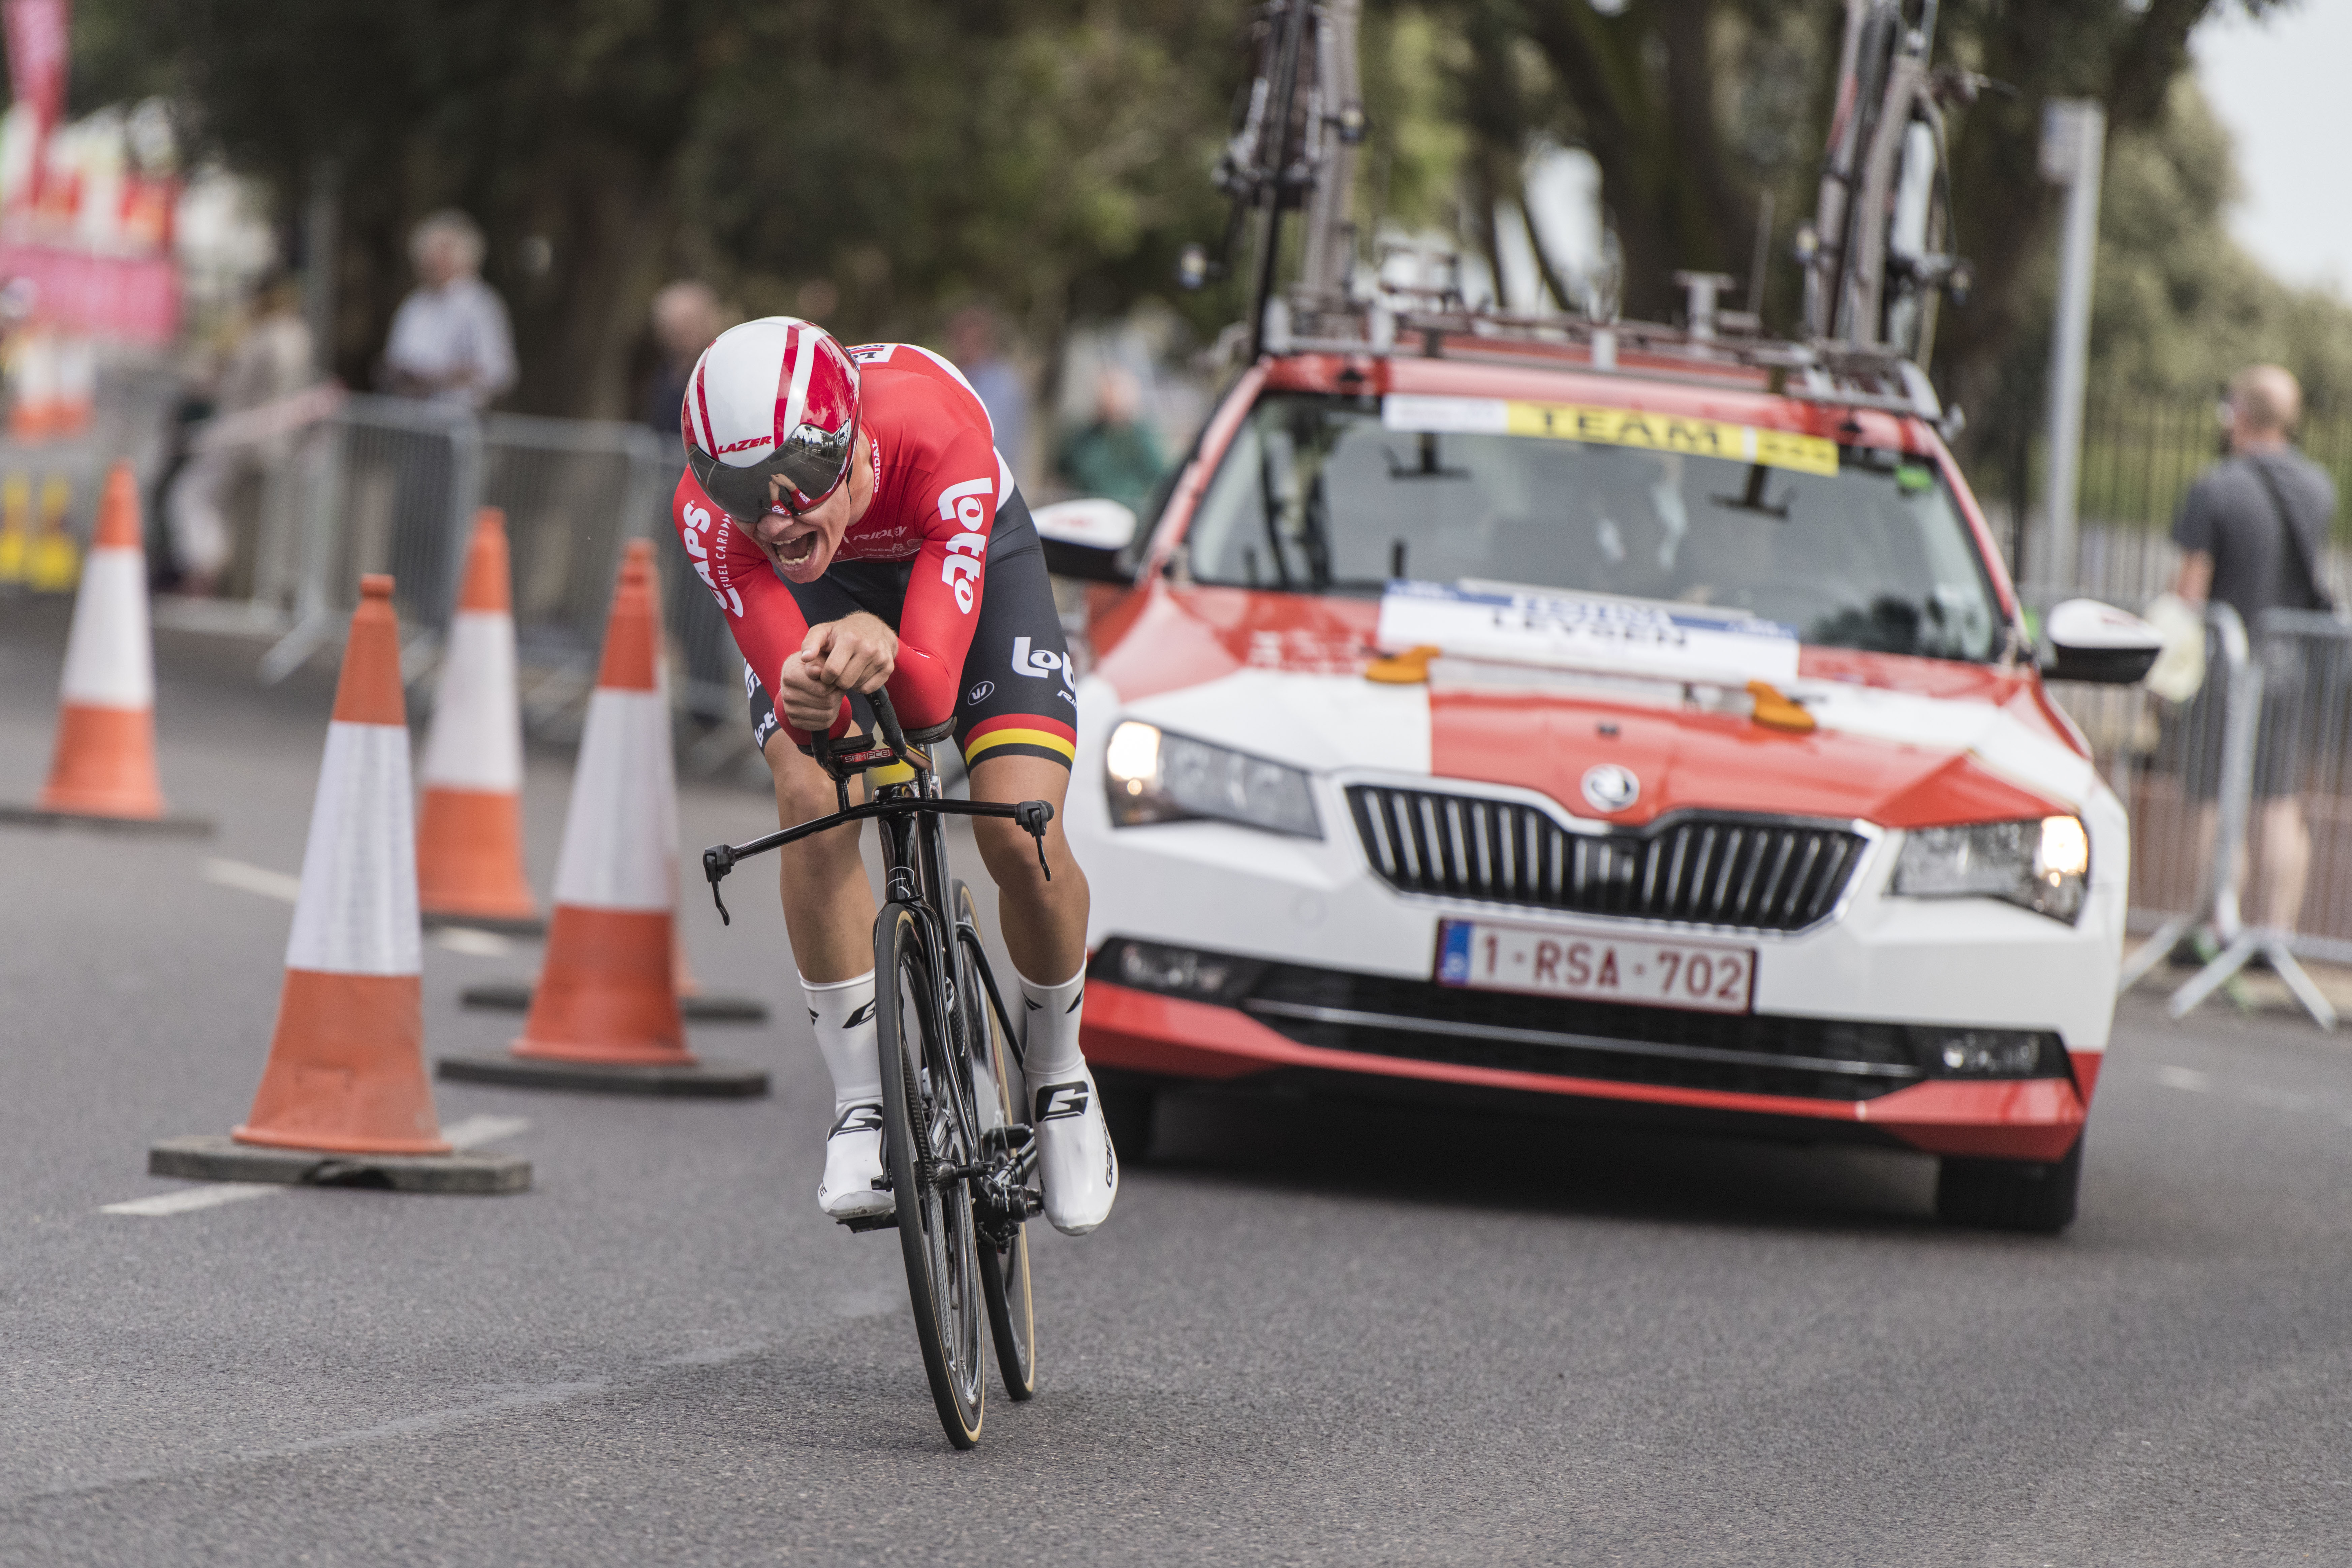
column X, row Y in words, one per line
column 1117, row 456
column 2253, row 533
column 269, row 359
column 449, row 341
column 685, row 318
column 972, row 344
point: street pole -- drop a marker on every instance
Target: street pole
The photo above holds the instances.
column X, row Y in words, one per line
column 2073, row 144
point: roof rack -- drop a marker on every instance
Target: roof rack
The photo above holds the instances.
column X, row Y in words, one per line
column 1838, row 374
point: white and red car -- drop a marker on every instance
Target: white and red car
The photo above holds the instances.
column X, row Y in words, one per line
column 1486, row 726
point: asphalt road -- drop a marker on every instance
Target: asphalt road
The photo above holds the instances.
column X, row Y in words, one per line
column 1310, row 1334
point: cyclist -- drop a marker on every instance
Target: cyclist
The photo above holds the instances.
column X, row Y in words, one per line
column 850, row 513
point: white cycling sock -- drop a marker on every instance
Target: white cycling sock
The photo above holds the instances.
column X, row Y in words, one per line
column 841, row 1012
column 1049, row 1028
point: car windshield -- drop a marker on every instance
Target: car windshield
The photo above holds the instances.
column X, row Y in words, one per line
column 1853, row 547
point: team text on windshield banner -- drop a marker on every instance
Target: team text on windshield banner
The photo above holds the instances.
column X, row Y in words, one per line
column 1612, row 427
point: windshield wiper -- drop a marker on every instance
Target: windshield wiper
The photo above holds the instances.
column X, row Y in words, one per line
column 1429, row 468
column 1270, row 510
column 1752, row 498
column 1314, row 525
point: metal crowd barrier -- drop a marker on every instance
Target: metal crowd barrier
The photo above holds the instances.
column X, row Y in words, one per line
column 330, row 485
column 2211, row 784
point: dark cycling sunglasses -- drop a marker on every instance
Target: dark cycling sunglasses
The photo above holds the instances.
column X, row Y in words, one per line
column 812, row 461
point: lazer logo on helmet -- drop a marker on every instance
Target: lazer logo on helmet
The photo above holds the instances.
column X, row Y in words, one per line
column 962, row 503
column 746, row 445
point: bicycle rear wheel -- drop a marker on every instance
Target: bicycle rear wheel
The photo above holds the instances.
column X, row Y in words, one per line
column 997, row 1092
column 928, row 1123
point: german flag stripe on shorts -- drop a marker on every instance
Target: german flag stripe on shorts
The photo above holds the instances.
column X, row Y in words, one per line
column 1020, row 735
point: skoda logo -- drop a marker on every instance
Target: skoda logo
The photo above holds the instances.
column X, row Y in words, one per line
column 1608, row 787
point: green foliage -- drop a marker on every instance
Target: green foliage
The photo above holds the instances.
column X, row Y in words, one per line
column 1052, row 167
column 879, row 164
column 2180, row 305
column 1049, row 155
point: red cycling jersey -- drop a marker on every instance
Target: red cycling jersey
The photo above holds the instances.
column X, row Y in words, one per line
column 936, row 482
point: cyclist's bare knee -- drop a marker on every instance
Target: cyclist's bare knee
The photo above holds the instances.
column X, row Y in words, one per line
column 1009, row 853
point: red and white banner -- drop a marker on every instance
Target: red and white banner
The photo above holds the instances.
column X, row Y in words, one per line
column 37, row 54
column 133, row 298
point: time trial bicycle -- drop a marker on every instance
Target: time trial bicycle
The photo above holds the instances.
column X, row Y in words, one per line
column 961, row 1171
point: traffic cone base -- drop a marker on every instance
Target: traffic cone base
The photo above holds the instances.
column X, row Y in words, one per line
column 480, row 890
column 694, row 1080
column 215, row 1159
column 695, row 1007
column 345, row 1056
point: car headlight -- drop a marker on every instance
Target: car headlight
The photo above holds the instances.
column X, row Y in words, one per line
column 1153, row 777
column 2043, row 864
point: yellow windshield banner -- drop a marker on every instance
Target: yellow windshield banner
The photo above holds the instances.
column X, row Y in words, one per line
column 1669, row 433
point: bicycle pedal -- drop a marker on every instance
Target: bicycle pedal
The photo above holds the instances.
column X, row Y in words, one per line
column 1005, row 1140
column 858, row 1225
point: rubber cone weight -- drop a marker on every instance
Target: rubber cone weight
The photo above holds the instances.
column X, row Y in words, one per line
column 514, row 996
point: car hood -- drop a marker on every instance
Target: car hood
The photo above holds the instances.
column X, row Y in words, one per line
column 1899, row 742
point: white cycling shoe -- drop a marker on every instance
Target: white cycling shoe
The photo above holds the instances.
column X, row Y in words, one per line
column 852, row 1163
column 1076, row 1165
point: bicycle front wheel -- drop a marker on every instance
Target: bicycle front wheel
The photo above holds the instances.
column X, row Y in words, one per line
column 997, row 1093
column 928, row 1126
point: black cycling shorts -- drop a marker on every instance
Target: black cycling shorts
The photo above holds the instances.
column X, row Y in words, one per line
column 1018, row 697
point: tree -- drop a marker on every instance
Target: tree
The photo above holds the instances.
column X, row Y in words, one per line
column 1049, row 154
column 1687, row 105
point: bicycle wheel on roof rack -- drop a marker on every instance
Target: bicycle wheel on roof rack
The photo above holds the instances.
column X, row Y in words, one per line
column 928, row 1127
column 998, row 1095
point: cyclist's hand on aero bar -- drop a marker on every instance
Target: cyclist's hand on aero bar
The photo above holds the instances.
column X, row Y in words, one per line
column 856, row 653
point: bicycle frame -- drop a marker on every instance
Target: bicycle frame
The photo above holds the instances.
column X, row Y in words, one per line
column 910, row 807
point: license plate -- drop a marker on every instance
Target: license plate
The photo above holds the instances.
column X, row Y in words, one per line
column 1702, row 976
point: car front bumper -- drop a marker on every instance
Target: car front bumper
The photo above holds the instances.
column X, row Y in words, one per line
column 1310, row 908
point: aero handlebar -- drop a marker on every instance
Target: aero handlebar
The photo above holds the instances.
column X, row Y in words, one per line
column 841, row 758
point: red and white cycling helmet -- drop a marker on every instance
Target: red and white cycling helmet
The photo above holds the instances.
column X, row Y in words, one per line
column 774, row 398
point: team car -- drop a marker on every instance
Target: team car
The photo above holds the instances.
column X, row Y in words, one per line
column 1629, row 725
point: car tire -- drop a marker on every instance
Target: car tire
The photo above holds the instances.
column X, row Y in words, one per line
column 1127, row 1104
column 2009, row 1195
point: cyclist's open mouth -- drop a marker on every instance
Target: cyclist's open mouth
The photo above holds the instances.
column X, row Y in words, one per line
column 797, row 547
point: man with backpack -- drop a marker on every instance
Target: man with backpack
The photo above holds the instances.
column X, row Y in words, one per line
column 2254, row 533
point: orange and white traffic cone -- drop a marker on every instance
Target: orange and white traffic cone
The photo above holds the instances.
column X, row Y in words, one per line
column 469, row 831
column 344, row 1096
column 104, row 769
column 698, row 1004
column 605, row 1015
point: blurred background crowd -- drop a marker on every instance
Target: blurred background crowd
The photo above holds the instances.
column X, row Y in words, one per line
column 547, row 208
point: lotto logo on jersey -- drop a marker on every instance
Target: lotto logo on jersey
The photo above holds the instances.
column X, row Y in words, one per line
column 962, row 503
column 1039, row 664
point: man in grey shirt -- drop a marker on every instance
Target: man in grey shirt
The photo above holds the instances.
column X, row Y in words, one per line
column 2252, row 533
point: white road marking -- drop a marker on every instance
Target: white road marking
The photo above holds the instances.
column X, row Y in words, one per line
column 470, row 1133
column 248, row 879
column 477, row 944
column 2189, row 1078
column 187, row 1200
column 476, row 1131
